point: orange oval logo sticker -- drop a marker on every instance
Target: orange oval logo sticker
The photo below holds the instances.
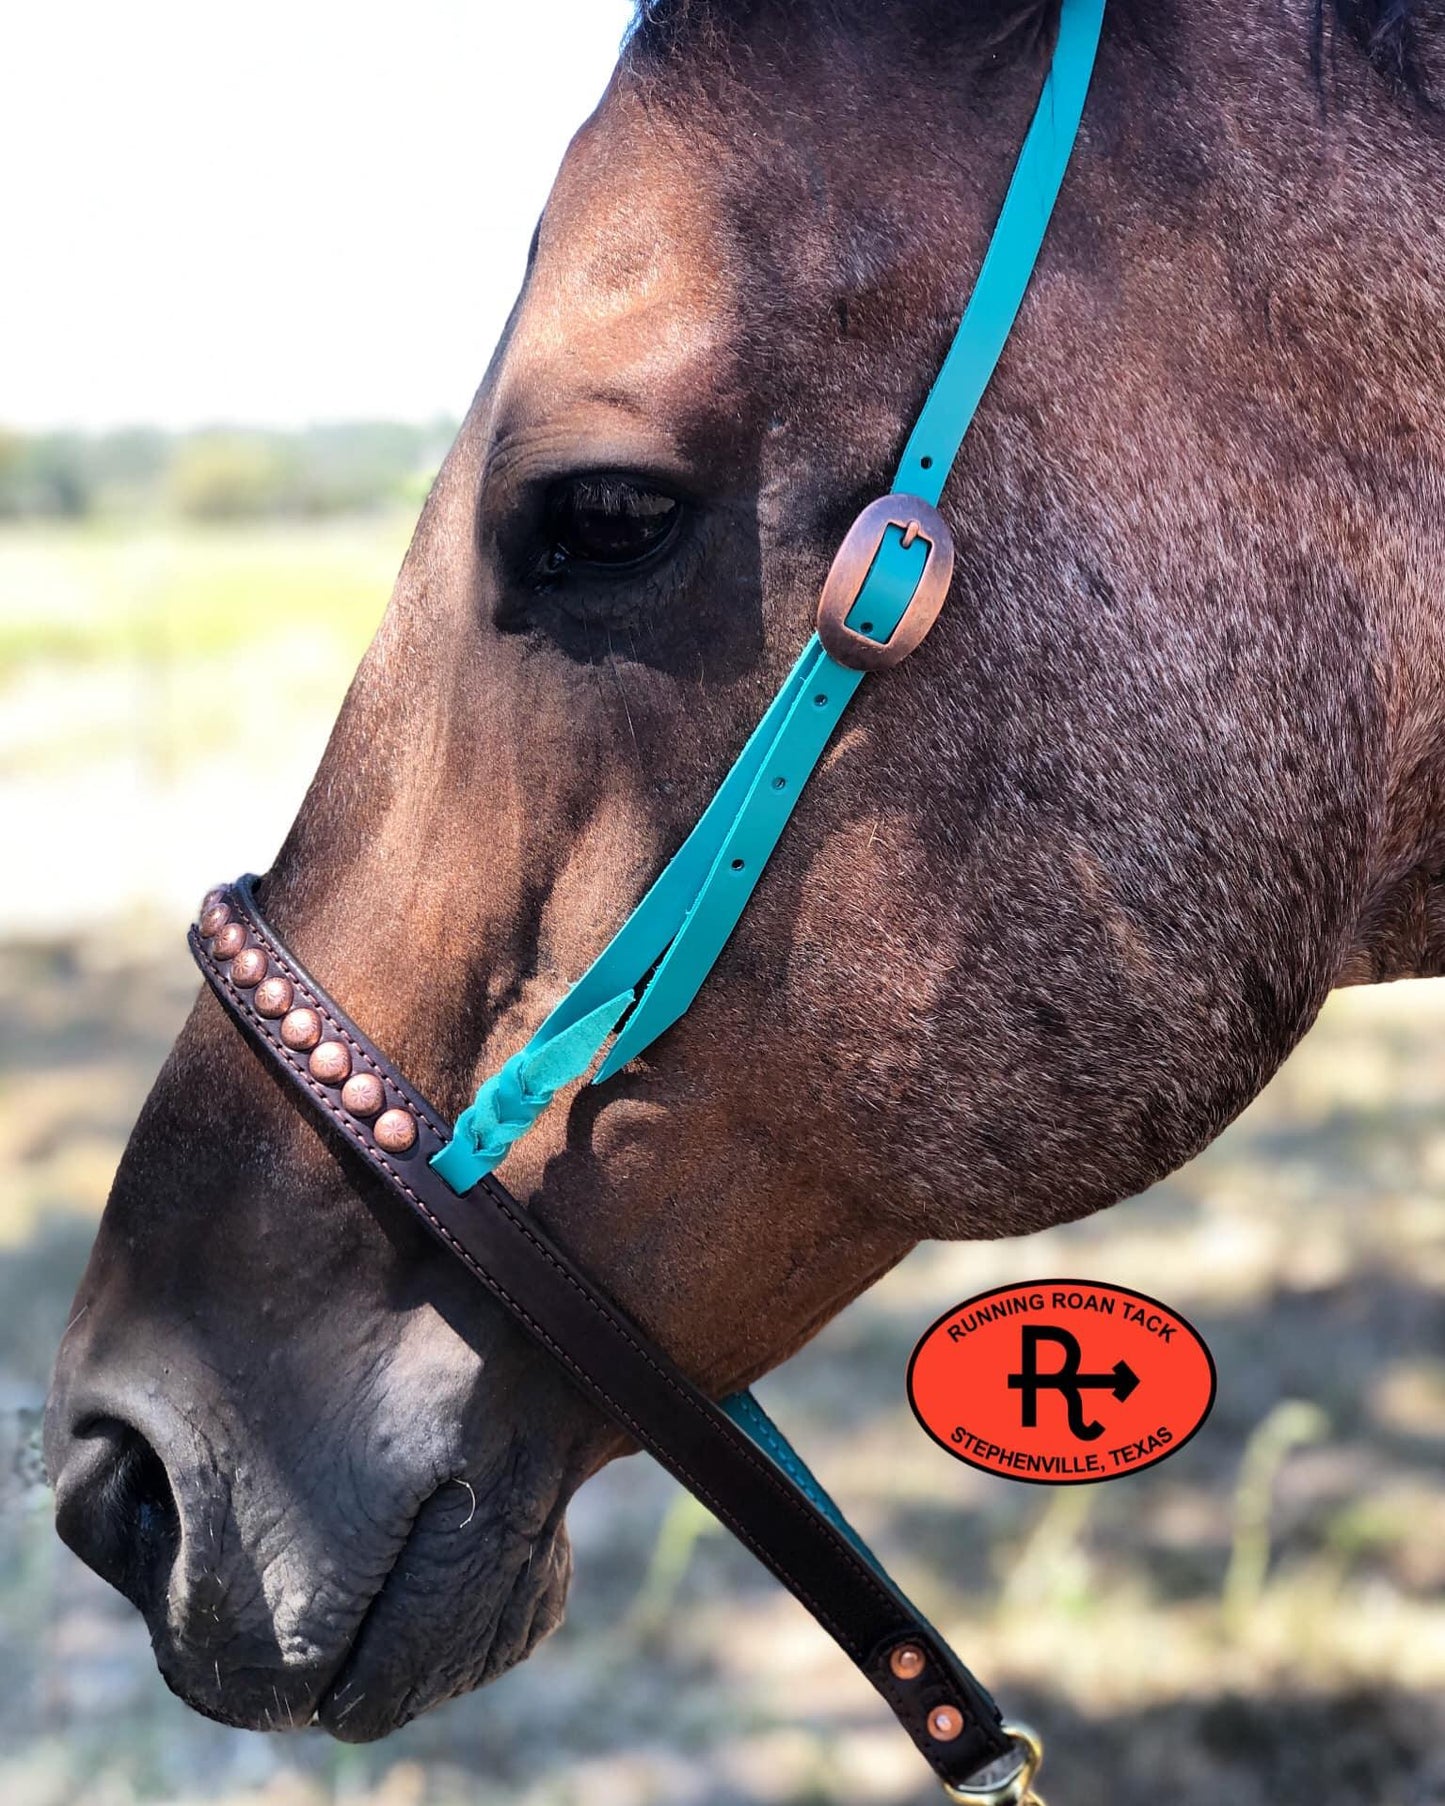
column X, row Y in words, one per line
column 1061, row 1381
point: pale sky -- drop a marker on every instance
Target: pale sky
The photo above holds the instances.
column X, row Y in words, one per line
column 286, row 211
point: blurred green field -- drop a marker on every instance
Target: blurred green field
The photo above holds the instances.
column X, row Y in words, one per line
column 148, row 669
column 108, row 590
column 1260, row 1620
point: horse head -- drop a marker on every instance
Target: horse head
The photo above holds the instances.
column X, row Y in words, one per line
column 1066, row 889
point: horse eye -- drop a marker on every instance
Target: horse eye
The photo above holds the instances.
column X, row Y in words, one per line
column 607, row 520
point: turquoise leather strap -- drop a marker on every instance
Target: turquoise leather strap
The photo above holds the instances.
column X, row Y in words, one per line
column 1009, row 261
column 677, row 931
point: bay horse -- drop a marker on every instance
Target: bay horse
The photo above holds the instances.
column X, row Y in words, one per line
column 1064, row 894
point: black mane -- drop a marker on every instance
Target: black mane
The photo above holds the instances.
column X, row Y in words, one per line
column 1390, row 34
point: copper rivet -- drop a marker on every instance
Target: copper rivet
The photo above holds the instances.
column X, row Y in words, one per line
column 229, row 942
column 945, row 1723
column 395, row 1130
column 274, row 996
column 301, row 1029
column 363, row 1094
column 216, row 894
column 907, row 1661
column 249, row 968
column 214, row 919
column 331, row 1063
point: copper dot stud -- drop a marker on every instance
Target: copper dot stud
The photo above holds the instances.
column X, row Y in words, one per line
column 214, row 919
column 301, row 1029
column 330, row 1063
column 363, row 1094
column 249, row 968
column 945, row 1723
column 907, row 1661
column 216, row 894
column 395, row 1130
column 229, row 942
column 274, row 996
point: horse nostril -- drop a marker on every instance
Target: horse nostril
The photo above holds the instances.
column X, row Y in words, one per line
column 116, row 1510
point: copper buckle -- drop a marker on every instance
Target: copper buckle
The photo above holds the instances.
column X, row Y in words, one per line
column 915, row 519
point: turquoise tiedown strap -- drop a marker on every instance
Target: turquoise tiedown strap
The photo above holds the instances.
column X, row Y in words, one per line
column 753, row 1420
column 680, row 927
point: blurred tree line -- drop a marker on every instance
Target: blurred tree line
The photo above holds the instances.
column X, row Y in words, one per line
column 220, row 473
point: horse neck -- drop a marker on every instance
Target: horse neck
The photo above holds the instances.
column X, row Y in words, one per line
column 1321, row 192
column 1401, row 933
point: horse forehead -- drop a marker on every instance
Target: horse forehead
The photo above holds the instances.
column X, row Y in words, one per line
column 633, row 276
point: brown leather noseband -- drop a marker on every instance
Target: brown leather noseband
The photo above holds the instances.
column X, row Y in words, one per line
column 757, row 1490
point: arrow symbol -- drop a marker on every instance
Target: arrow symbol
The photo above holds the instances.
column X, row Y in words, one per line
column 1066, row 1378
column 1124, row 1377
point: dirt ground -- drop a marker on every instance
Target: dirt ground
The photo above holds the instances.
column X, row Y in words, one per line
column 1259, row 1620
